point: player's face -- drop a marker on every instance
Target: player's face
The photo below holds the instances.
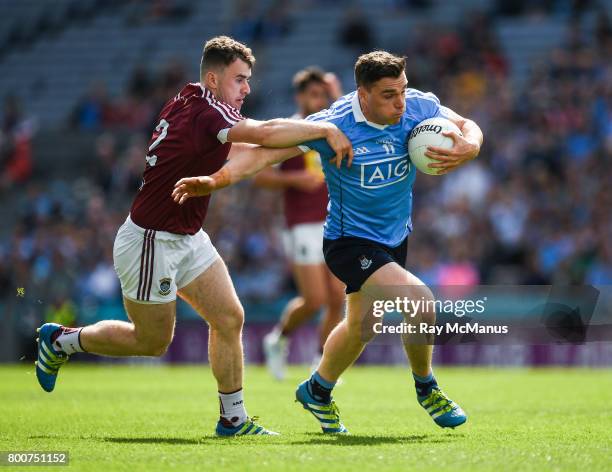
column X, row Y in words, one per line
column 385, row 100
column 312, row 99
column 233, row 83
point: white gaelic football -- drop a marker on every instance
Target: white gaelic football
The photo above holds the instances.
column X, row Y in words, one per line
column 429, row 133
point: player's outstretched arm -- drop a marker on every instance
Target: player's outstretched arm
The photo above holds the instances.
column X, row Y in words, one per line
column 465, row 148
column 244, row 161
column 285, row 133
column 272, row 179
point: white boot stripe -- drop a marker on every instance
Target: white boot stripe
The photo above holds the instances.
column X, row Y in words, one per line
column 44, row 369
column 45, row 359
column 48, row 352
column 441, row 412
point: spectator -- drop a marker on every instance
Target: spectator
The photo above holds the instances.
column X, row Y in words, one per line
column 356, row 32
column 15, row 145
column 91, row 113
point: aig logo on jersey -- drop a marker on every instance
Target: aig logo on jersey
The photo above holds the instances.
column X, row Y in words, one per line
column 384, row 172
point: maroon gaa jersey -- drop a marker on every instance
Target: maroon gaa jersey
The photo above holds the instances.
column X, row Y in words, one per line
column 189, row 140
column 300, row 206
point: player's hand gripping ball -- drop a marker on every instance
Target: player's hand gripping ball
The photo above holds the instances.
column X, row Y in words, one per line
column 430, row 133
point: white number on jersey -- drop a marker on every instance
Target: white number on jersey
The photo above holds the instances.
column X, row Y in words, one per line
column 163, row 127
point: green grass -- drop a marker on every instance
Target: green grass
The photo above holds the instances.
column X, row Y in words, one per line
column 158, row 418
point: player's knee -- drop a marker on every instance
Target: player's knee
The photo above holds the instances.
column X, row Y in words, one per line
column 427, row 313
column 337, row 296
column 360, row 332
column 231, row 321
column 314, row 302
column 155, row 347
column 333, row 315
column 154, row 344
column 335, row 309
column 158, row 350
column 235, row 320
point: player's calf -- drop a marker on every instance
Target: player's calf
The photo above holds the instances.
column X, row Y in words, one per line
column 119, row 338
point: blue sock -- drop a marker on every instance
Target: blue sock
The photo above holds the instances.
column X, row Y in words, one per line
column 319, row 388
column 424, row 385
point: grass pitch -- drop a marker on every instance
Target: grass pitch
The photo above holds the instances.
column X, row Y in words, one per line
column 162, row 418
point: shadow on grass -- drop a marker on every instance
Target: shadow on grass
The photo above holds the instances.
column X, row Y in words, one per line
column 152, row 440
column 128, row 440
column 373, row 440
column 178, row 441
column 313, row 439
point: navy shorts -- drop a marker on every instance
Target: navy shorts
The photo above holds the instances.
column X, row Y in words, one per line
column 353, row 260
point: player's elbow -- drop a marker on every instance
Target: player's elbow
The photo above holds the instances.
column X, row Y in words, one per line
column 471, row 125
column 155, row 347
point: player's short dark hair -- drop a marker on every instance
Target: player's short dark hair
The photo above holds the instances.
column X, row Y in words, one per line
column 376, row 65
column 311, row 75
column 221, row 51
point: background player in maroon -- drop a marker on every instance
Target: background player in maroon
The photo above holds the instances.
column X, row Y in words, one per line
column 305, row 207
column 161, row 249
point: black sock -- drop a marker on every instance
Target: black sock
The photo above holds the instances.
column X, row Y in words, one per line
column 320, row 392
column 424, row 385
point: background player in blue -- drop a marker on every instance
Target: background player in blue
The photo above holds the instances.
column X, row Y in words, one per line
column 368, row 222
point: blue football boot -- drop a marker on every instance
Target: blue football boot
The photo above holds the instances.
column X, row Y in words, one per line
column 327, row 414
column 445, row 412
column 49, row 359
column 248, row 428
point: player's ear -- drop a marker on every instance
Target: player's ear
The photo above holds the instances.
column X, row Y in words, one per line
column 211, row 80
column 362, row 93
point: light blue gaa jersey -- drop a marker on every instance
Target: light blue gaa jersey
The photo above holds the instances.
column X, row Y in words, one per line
column 373, row 198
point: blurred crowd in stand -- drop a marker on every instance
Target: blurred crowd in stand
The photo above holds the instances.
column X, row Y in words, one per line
column 534, row 208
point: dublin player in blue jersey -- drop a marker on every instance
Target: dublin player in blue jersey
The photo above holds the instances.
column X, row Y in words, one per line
column 368, row 222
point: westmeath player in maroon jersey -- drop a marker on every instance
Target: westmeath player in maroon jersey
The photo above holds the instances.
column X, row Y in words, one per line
column 161, row 250
column 305, row 207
